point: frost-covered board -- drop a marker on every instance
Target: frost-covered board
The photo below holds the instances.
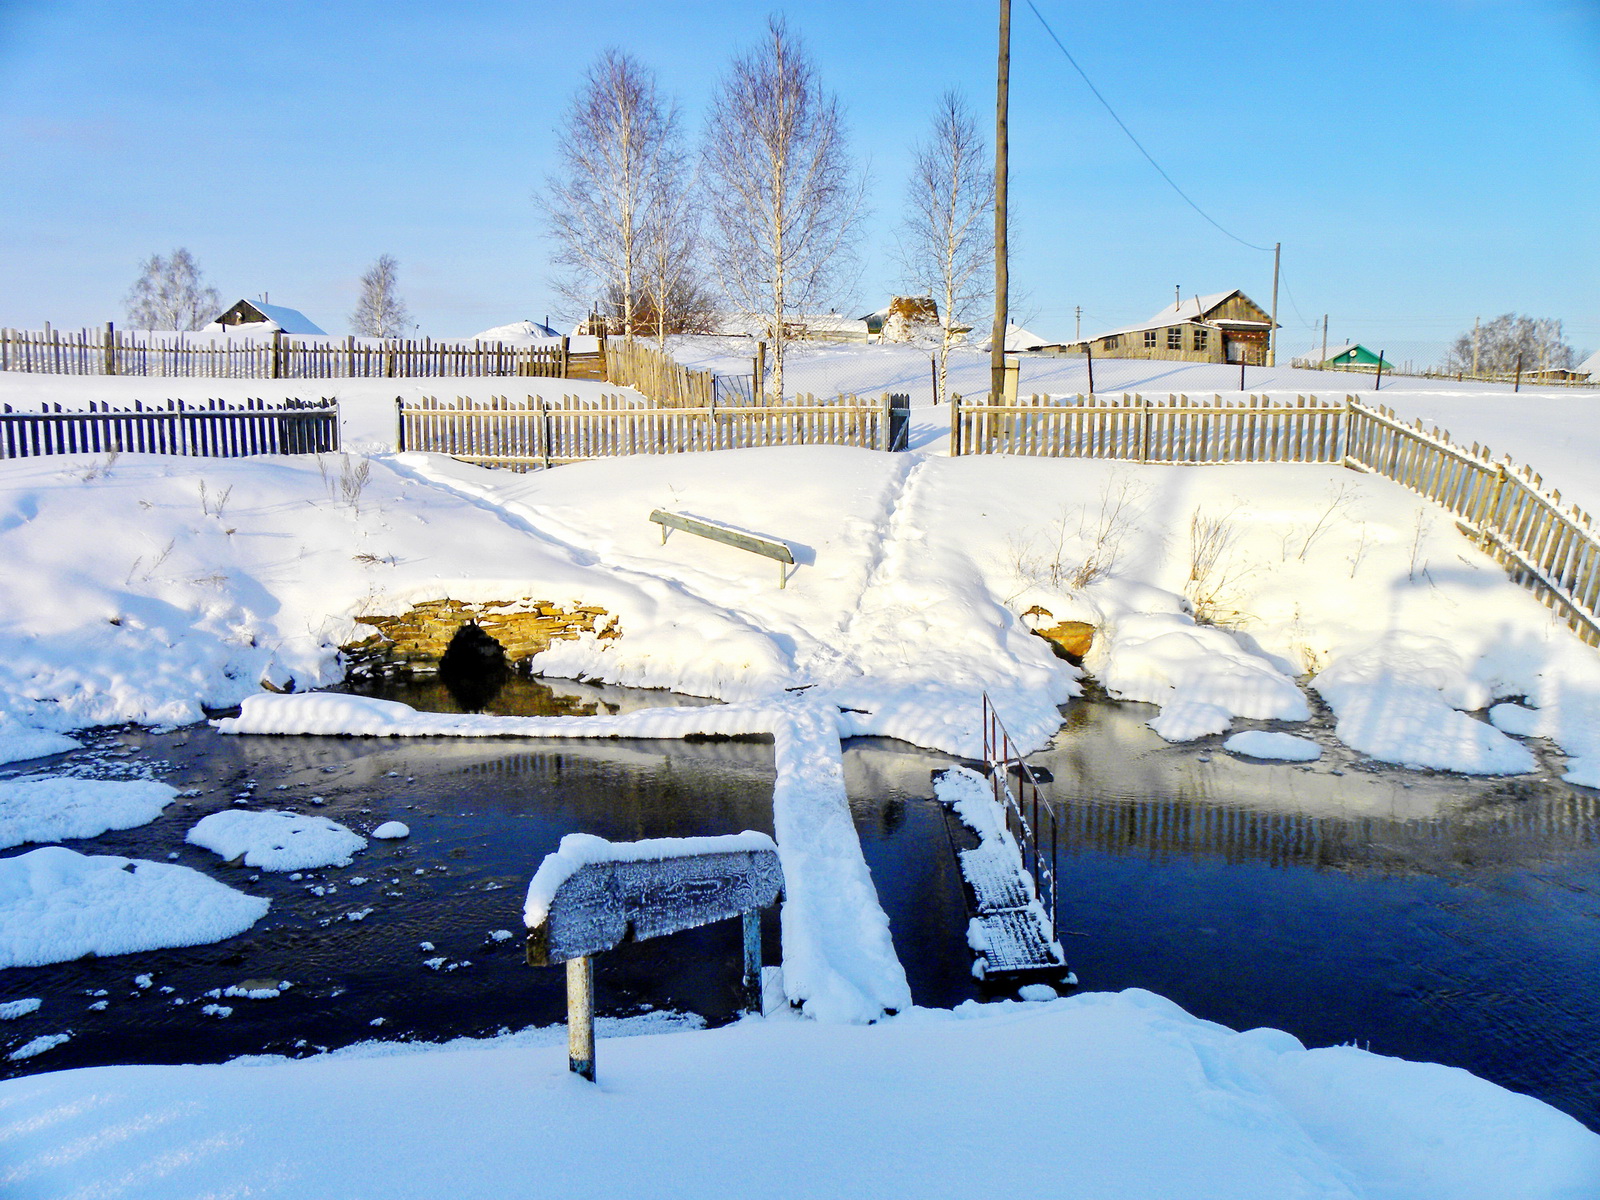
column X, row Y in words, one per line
column 592, row 895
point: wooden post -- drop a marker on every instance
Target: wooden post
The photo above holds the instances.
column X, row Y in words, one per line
column 276, row 369
column 1002, row 174
column 1378, row 379
column 761, row 372
column 1516, row 388
column 752, row 953
column 933, row 370
column 1241, row 368
column 955, row 425
column 1088, row 353
column 111, row 349
column 580, row 1016
column 1272, row 334
column 566, row 351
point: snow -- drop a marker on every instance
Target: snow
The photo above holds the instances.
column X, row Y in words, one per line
column 18, row 744
column 38, row 1045
column 579, row 850
column 277, row 841
column 1135, row 1099
column 142, row 589
column 57, row 905
column 1283, row 747
column 56, row 808
column 519, row 333
column 10, row 1010
column 389, row 831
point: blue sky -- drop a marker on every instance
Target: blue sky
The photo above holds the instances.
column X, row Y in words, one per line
column 1422, row 163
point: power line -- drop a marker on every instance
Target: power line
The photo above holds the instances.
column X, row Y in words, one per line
column 1134, row 140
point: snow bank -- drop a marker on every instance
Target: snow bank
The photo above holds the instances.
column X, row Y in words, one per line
column 1201, row 676
column 18, row 744
column 1398, row 701
column 578, row 850
column 1134, row 1099
column 1283, row 747
column 57, row 905
column 277, row 841
column 54, row 809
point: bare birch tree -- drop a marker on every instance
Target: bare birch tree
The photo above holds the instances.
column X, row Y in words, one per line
column 169, row 295
column 947, row 237
column 1497, row 347
column 617, row 132
column 784, row 198
column 380, row 312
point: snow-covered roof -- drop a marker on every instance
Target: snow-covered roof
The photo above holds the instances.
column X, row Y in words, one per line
column 290, row 320
column 1191, row 311
column 1018, row 338
column 518, row 333
column 1590, row 366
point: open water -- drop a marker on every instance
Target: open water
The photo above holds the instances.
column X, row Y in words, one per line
column 1416, row 914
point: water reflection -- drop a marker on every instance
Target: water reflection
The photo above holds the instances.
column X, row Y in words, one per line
column 1423, row 915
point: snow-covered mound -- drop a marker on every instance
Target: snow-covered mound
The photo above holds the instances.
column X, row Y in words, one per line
column 1129, row 1097
column 1282, row 747
column 18, row 744
column 277, row 841
column 57, row 905
column 54, row 809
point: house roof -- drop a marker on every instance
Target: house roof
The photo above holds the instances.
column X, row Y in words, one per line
column 290, row 320
column 1590, row 366
column 1192, row 311
column 1018, row 338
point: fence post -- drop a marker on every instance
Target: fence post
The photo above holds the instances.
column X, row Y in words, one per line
column 275, row 367
column 955, row 424
column 544, row 419
column 111, row 349
column 400, row 423
column 566, row 350
column 884, row 410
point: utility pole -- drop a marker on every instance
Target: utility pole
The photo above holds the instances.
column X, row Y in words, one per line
column 1324, row 358
column 1077, row 323
column 1002, row 107
column 1475, row 345
column 1272, row 334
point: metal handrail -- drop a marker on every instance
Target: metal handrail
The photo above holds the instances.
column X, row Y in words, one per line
column 1023, row 806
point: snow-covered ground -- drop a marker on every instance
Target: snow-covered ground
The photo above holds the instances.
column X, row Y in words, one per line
column 142, row 588
column 1100, row 1097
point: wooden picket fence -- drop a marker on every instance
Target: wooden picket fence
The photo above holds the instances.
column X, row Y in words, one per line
column 540, row 432
column 1550, row 547
column 211, row 429
column 667, row 382
column 109, row 351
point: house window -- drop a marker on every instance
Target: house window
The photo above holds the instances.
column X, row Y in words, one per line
column 1111, row 343
column 1149, row 339
column 1175, row 339
column 1200, row 339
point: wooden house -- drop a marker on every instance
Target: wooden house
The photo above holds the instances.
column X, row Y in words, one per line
column 1228, row 327
column 260, row 314
column 1350, row 356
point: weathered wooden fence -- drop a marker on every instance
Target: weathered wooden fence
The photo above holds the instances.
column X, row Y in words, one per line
column 1551, row 548
column 111, row 352
column 666, row 381
column 214, row 429
column 539, row 432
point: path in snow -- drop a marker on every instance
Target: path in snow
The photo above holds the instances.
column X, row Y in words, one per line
column 838, row 958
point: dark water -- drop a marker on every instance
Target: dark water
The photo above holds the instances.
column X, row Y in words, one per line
column 1419, row 915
